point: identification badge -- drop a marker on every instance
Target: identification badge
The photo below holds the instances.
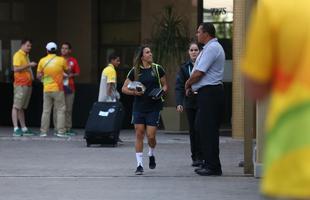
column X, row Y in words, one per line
column 103, row 114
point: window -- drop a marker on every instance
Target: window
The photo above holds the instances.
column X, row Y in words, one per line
column 220, row 13
column 12, row 11
column 4, row 11
column 119, row 31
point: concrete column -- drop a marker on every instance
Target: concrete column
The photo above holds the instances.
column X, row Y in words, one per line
column 261, row 111
column 237, row 87
column 243, row 113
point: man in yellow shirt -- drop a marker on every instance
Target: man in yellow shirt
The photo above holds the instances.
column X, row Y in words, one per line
column 110, row 72
column 22, row 87
column 50, row 70
column 277, row 63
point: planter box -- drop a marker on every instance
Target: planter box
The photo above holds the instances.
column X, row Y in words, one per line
column 173, row 120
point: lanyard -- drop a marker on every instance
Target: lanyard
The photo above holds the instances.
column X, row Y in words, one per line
column 190, row 70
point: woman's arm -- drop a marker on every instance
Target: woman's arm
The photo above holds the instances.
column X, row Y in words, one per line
column 128, row 91
column 164, row 84
column 180, row 87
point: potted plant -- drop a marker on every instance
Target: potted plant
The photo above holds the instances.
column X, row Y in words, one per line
column 169, row 43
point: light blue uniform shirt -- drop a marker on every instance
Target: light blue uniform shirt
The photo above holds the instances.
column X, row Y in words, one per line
column 211, row 62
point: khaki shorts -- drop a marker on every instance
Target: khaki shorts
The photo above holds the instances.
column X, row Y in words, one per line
column 22, row 96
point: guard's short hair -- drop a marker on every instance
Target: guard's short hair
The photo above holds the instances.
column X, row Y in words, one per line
column 209, row 28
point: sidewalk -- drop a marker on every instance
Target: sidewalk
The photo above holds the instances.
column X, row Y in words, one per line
column 56, row 168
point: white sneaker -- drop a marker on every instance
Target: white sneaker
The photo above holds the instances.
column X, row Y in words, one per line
column 43, row 134
column 61, row 135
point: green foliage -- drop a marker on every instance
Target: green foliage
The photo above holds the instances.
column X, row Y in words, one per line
column 170, row 38
column 169, row 44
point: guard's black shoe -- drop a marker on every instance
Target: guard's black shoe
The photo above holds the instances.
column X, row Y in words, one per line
column 139, row 170
column 197, row 163
column 152, row 163
column 209, row 172
column 199, row 168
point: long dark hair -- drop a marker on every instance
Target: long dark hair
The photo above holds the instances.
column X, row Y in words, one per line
column 137, row 62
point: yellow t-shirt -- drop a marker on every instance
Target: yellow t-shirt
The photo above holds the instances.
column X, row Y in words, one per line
column 52, row 67
column 110, row 72
column 278, row 53
column 22, row 78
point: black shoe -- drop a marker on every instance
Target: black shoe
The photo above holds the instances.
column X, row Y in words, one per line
column 209, row 172
column 197, row 163
column 139, row 170
column 199, row 168
column 152, row 163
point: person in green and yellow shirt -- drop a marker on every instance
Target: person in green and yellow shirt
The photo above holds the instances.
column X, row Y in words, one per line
column 277, row 64
column 50, row 70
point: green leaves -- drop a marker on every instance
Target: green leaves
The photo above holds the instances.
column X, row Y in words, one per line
column 169, row 38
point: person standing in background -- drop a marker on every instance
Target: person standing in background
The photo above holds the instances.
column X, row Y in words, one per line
column 50, row 71
column 23, row 77
column 69, row 86
column 110, row 72
column 189, row 103
column 111, row 75
column 207, row 80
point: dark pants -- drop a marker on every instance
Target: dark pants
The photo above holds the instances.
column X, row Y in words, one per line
column 211, row 106
column 193, row 133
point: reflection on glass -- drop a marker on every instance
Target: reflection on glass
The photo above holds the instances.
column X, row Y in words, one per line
column 219, row 12
column 4, row 11
column 18, row 11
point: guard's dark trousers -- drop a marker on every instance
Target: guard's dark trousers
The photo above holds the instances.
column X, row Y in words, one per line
column 194, row 134
column 211, row 106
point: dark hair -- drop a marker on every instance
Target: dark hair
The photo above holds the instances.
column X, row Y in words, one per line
column 52, row 51
column 209, row 28
column 25, row 40
column 113, row 56
column 193, row 42
column 68, row 44
column 137, row 62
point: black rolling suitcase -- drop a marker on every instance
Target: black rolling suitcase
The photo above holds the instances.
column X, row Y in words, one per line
column 104, row 123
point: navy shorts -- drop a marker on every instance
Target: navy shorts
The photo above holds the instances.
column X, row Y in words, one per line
column 146, row 118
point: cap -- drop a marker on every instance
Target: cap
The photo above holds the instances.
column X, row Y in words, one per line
column 51, row 46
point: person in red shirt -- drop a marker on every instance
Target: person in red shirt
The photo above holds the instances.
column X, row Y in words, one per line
column 69, row 86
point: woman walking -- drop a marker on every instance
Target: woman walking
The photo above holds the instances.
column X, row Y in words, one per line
column 146, row 108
